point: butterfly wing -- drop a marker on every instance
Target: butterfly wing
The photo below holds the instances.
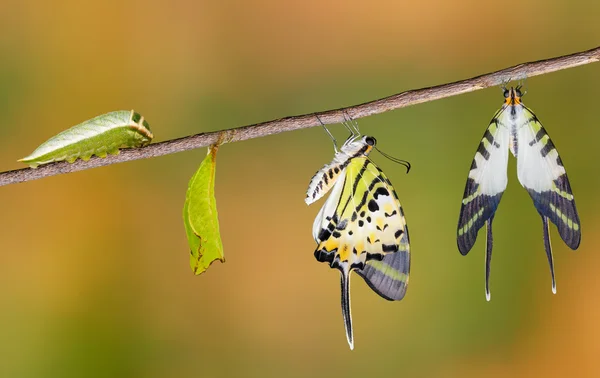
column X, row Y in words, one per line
column 362, row 227
column 387, row 266
column 541, row 171
column 486, row 182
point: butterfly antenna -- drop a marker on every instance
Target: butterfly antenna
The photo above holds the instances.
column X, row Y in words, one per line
column 405, row 163
column 335, row 147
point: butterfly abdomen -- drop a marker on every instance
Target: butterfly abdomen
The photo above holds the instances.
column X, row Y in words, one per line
column 99, row 136
column 323, row 180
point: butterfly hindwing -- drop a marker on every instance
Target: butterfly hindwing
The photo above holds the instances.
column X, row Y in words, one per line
column 486, row 182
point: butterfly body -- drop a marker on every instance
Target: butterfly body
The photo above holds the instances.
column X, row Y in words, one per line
column 361, row 227
column 540, row 170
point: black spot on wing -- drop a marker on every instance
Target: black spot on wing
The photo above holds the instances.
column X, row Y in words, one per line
column 389, row 248
column 324, row 256
column 324, row 234
column 398, row 234
column 373, row 206
column 381, row 191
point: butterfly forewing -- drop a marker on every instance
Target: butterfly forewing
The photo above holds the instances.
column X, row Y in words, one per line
column 486, row 182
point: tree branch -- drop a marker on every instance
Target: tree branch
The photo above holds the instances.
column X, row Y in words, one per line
column 396, row 101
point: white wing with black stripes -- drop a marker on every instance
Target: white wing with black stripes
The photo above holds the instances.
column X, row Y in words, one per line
column 486, row 182
column 539, row 169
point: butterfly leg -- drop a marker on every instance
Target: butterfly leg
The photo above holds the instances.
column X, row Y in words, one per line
column 345, row 283
column 351, row 125
column 548, row 249
column 489, row 241
column 335, row 147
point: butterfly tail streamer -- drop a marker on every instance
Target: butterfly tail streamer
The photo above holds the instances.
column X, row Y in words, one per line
column 345, row 283
column 488, row 257
column 548, row 248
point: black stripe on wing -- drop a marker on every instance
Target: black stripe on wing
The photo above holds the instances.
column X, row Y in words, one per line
column 474, row 214
column 477, row 207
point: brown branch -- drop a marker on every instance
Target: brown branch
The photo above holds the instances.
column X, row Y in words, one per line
column 396, row 101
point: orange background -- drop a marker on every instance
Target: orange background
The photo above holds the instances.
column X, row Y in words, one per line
column 94, row 275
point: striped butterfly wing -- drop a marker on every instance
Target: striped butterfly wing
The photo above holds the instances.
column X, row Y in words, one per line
column 486, row 182
column 387, row 276
column 361, row 227
column 540, row 170
column 485, row 185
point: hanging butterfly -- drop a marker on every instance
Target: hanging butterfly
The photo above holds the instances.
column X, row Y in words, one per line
column 361, row 226
column 539, row 169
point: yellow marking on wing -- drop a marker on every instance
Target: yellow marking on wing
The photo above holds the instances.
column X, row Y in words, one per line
column 388, row 208
column 568, row 221
column 331, row 244
column 360, row 247
column 471, row 221
column 344, row 252
column 388, row 271
column 372, row 237
column 471, row 197
column 562, row 193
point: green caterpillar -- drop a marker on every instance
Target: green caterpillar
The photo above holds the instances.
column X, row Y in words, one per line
column 98, row 136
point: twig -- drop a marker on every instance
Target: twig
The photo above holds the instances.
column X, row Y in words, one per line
column 396, row 101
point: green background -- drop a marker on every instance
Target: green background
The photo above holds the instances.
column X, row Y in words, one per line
column 94, row 268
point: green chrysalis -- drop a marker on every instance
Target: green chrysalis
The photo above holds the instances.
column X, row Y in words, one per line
column 200, row 216
column 98, row 136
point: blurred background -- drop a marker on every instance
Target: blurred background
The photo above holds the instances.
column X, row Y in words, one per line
column 94, row 274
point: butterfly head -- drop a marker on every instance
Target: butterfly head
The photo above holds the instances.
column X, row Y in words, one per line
column 368, row 143
column 513, row 96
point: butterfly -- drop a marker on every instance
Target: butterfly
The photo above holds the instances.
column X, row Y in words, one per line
column 361, row 226
column 540, row 170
